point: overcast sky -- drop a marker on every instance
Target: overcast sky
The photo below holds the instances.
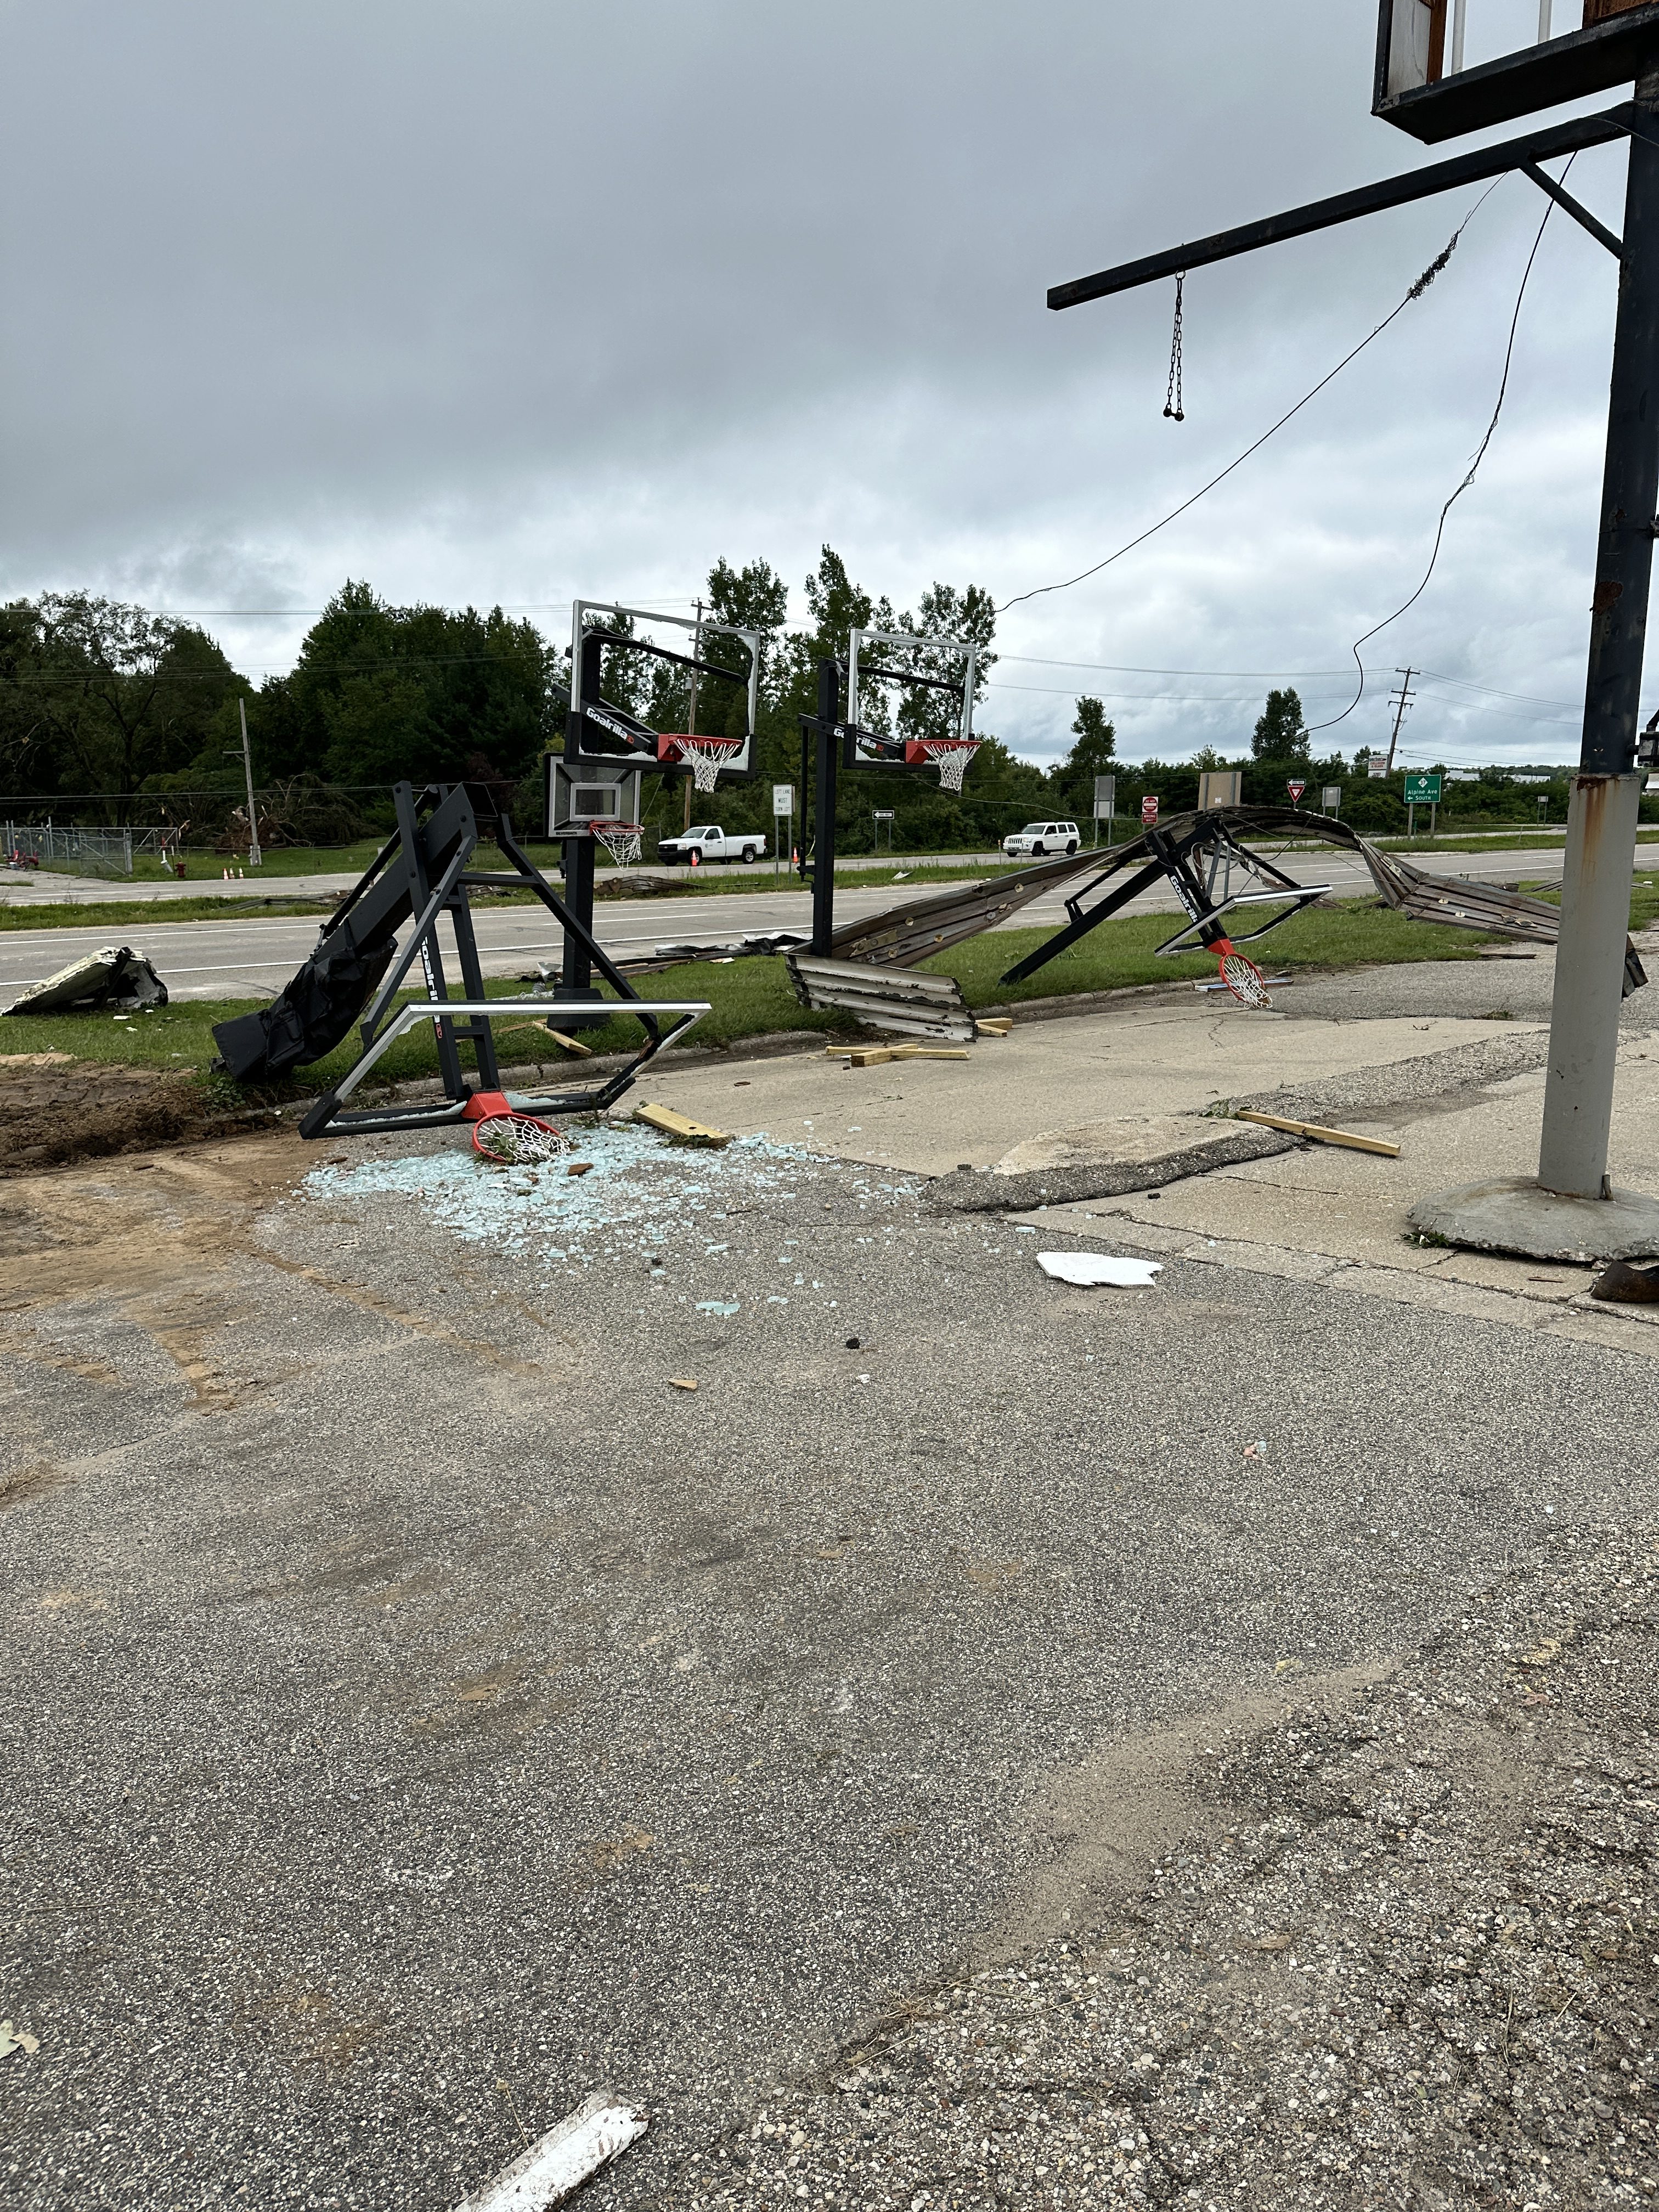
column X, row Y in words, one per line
column 514, row 301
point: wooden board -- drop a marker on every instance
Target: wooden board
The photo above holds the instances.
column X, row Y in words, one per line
column 875, row 1055
column 1382, row 1144
column 680, row 1125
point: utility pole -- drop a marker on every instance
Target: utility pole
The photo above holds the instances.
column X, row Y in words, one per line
column 1404, row 702
column 254, row 856
column 691, row 722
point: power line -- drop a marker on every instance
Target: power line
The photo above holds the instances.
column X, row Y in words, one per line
column 1413, row 292
column 1479, row 456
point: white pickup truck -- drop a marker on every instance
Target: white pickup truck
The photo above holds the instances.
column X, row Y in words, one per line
column 712, row 843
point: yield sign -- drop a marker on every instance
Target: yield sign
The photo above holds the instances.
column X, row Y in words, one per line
column 1295, row 791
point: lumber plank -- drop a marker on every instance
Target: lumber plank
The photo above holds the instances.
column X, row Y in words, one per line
column 679, row 1125
column 1389, row 1150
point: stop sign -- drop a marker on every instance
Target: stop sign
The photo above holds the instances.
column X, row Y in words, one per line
column 1295, row 791
column 1149, row 809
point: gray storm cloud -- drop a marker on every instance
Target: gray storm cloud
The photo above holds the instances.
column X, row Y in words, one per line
column 515, row 302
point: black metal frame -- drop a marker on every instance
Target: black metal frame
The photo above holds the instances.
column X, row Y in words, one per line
column 1436, row 177
column 1629, row 484
column 1207, row 840
column 638, row 738
column 421, row 873
column 820, row 756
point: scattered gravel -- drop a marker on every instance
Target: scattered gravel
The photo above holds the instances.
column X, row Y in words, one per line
column 1410, row 1957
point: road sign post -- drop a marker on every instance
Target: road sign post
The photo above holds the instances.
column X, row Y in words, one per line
column 1421, row 791
column 783, row 809
column 1330, row 799
column 1105, row 805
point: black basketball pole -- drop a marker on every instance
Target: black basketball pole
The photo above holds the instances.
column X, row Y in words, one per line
column 1606, row 796
column 824, row 807
column 577, row 974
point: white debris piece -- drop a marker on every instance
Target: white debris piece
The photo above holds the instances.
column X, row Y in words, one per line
column 1088, row 1268
column 566, row 2157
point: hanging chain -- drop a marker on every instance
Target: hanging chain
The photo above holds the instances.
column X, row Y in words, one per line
column 1172, row 406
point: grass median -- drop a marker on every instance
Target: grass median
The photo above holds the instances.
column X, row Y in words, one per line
column 753, row 997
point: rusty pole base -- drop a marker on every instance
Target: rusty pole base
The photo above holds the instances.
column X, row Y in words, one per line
column 1515, row 1213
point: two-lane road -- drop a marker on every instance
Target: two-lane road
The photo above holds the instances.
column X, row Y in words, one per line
column 241, row 959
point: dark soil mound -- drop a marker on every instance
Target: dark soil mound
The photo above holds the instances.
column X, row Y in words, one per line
column 54, row 1109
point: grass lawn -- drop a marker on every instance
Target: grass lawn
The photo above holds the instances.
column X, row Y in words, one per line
column 750, row 997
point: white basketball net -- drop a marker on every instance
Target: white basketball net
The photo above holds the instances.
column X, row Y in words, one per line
column 620, row 839
column 951, row 756
column 706, row 761
column 1244, row 980
column 518, row 1140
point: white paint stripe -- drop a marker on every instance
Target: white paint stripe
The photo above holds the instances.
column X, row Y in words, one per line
column 566, row 2157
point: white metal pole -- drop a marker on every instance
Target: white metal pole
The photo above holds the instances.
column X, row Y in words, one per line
column 254, row 859
column 1460, row 9
column 1543, row 21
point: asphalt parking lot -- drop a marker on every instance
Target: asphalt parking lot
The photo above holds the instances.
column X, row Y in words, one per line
column 420, row 1711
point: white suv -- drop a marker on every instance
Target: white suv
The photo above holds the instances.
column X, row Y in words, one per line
column 1038, row 838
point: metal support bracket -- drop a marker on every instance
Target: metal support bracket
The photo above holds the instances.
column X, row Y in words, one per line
column 1580, row 213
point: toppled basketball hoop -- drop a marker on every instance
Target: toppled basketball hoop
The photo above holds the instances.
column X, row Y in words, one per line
column 115, row 976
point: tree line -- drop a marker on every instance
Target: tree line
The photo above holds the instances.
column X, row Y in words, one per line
column 110, row 713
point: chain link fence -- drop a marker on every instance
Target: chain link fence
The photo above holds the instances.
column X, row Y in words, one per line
column 72, row 851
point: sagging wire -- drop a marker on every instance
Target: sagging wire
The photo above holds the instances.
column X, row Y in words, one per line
column 1413, row 292
column 1479, row 455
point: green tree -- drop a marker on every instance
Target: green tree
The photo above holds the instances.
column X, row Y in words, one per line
column 383, row 693
column 1094, row 752
column 103, row 697
column 1279, row 732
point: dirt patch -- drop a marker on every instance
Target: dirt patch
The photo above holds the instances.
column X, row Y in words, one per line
column 166, row 1225
column 54, row 1110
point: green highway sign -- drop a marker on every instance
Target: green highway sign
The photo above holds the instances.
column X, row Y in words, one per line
column 1422, row 791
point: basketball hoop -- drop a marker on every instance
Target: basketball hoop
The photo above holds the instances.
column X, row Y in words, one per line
column 518, row 1141
column 950, row 755
column 620, row 839
column 707, row 756
column 1241, row 975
